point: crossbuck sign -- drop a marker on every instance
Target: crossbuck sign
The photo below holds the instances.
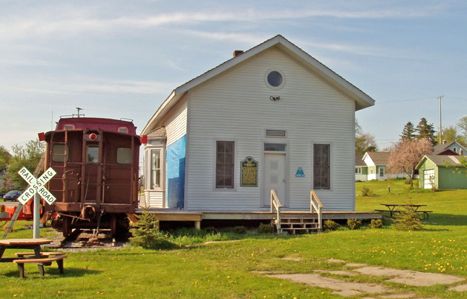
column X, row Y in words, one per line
column 36, row 185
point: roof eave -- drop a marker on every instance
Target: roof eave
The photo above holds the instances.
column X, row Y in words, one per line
column 168, row 102
column 422, row 160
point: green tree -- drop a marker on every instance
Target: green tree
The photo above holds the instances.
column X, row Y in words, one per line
column 364, row 143
column 27, row 155
column 450, row 134
column 425, row 131
column 462, row 124
column 5, row 157
column 408, row 133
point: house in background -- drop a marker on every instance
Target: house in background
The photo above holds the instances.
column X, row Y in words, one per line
column 453, row 148
column 376, row 163
column 272, row 117
column 361, row 170
column 442, row 172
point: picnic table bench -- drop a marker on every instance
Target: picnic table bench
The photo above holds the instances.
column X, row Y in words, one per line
column 394, row 208
column 41, row 262
column 37, row 256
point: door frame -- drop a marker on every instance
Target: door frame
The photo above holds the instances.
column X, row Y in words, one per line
column 285, row 201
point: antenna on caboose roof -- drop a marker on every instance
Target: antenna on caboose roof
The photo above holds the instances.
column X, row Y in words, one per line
column 78, row 109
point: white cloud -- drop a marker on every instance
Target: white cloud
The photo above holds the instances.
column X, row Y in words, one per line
column 254, row 39
column 64, row 86
column 71, row 23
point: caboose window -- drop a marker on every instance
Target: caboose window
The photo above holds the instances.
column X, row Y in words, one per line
column 123, row 155
column 58, row 152
column 155, row 181
column 93, row 154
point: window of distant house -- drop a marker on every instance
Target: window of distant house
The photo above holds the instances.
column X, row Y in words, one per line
column 275, row 79
column 321, row 166
column 225, row 164
column 155, row 157
column 381, row 172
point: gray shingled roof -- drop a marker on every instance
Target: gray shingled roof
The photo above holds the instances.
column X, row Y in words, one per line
column 445, row 160
column 359, row 161
column 379, row 158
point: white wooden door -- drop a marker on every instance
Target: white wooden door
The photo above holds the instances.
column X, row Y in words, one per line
column 274, row 177
column 428, row 178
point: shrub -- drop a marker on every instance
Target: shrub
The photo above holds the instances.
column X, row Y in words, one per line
column 366, row 191
column 330, row 225
column 239, row 229
column 353, row 223
column 408, row 219
column 265, row 228
column 147, row 235
column 376, row 223
column 210, row 230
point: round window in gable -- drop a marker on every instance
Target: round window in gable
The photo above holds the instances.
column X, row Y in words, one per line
column 275, row 79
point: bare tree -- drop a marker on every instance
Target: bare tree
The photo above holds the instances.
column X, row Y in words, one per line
column 406, row 154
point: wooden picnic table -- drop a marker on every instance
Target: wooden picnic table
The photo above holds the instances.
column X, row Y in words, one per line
column 392, row 207
column 34, row 244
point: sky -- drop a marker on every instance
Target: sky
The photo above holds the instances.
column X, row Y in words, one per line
column 121, row 59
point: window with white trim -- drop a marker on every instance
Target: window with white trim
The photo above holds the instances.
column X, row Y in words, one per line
column 225, row 158
column 155, row 175
column 381, row 171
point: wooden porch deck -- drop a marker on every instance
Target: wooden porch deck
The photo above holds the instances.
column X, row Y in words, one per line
column 198, row 216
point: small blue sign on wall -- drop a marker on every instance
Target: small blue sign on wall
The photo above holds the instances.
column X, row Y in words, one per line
column 299, row 173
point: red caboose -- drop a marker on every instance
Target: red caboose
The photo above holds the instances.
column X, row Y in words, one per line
column 96, row 161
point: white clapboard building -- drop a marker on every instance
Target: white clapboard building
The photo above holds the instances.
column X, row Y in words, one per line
column 272, row 117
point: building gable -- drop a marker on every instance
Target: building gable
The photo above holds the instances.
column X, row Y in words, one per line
column 361, row 99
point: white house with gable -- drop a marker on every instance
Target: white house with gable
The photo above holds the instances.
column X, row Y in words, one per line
column 272, row 117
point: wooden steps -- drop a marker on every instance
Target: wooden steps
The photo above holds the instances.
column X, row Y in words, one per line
column 301, row 224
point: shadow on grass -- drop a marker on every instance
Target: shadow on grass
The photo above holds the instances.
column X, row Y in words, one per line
column 447, row 219
column 52, row 273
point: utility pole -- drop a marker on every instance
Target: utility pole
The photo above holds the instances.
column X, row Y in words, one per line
column 440, row 134
column 79, row 109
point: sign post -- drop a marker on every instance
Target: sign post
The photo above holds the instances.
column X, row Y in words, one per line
column 37, row 189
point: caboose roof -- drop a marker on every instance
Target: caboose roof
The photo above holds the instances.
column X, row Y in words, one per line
column 106, row 124
column 362, row 100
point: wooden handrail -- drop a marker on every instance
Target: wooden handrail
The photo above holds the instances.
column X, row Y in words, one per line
column 317, row 205
column 276, row 206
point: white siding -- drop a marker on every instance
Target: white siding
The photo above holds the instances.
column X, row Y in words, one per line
column 236, row 106
column 152, row 199
column 368, row 161
column 175, row 125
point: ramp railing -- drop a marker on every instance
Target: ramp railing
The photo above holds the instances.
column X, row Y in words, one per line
column 316, row 205
column 276, row 207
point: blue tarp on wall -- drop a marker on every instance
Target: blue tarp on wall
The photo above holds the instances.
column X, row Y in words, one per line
column 175, row 173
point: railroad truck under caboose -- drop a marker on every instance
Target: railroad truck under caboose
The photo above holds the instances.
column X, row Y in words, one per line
column 96, row 184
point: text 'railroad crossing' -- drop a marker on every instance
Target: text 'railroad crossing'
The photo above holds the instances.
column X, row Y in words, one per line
column 36, row 185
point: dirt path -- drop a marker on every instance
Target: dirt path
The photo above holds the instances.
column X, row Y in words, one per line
column 345, row 288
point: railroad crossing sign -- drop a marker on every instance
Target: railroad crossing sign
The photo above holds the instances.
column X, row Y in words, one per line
column 36, row 185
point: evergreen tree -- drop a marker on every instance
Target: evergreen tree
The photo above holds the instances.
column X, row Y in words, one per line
column 426, row 131
column 408, row 133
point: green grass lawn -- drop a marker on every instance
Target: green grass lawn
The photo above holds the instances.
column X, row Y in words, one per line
column 227, row 269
